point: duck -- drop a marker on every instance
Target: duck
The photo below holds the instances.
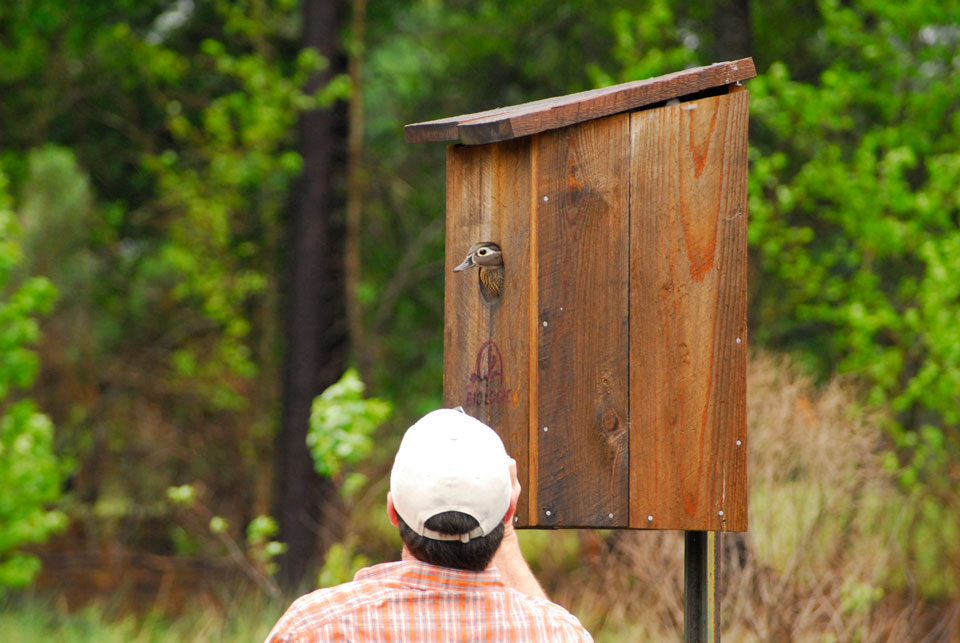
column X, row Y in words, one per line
column 488, row 257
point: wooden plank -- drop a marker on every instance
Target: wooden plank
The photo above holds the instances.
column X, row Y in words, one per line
column 533, row 356
column 486, row 345
column 582, row 248
column 688, row 315
column 505, row 123
column 446, row 129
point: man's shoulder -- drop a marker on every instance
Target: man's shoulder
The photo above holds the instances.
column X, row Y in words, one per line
column 566, row 626
column 366, row 582
column 320, row 607
column 338, row 597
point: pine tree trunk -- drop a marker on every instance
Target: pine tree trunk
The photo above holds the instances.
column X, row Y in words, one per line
column 307, row 510
column 355, row 182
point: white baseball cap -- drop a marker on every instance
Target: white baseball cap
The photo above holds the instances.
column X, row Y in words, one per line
column 449, row 461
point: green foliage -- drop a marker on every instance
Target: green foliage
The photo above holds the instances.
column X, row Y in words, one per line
column 184, row 494
column 218, row 525
column 254, row 554
column 342, row 424
column 928, row 530
column 646, row 44
column 854, row 215
column 261, row 529
column 153, row 151
column 340, row 565
column 260, row 544
column 56, row 196
column 30, row 471
column 224, row 180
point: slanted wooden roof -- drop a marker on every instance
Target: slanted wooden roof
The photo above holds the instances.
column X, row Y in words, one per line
column 504, row 123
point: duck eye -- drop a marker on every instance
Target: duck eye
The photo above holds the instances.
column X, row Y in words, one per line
column 482, row 251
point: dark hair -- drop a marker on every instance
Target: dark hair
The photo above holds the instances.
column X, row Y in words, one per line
column 474, row 555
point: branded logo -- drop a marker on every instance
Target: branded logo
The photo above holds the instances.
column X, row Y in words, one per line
column 485, row 387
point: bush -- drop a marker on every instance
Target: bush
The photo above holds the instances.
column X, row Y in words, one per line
column 854, row 218
column 30, row 472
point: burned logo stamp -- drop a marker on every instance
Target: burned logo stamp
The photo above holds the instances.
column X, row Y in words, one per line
column 485, row 386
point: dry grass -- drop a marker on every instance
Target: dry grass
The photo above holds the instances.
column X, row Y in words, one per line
column 827, row 557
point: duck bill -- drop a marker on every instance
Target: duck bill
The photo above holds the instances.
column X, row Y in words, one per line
column 467, row 263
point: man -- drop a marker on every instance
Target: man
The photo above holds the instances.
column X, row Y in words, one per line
column 461, row 577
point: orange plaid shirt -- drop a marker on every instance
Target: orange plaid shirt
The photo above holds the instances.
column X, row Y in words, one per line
column 415, row 601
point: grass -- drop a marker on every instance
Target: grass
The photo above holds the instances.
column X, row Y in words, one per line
column 31, row 619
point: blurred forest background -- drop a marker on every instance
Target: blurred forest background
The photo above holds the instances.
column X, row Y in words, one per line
column 208, row 215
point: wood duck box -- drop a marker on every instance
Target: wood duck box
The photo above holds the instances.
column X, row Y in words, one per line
column 612, row 360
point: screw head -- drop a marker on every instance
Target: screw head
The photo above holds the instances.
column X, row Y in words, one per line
column 547, row 512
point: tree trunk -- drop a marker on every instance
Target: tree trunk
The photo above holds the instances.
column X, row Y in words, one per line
column 731, row 30
column 355, row 182
column 316, row 331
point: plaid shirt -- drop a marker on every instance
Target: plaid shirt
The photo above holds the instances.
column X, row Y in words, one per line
column 415, row 601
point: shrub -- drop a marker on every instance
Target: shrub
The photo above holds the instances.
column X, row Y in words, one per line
column 30, row 472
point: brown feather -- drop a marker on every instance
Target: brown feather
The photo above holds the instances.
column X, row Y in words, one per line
column 491, row 282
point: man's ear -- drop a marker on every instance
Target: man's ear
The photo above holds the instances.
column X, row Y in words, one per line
column 392, row 511
column 511, row 510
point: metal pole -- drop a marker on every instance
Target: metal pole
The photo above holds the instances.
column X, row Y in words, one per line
column 701, row 598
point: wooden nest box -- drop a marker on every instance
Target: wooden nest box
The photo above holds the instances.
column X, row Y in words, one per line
column 613, row 361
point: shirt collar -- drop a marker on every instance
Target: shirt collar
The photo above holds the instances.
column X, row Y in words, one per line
column 417, row 574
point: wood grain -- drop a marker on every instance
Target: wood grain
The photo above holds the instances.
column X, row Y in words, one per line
column 582, row 248
column 486, row 345
column 505, row 123
column 688, row 315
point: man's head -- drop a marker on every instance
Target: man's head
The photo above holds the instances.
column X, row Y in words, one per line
column 451, row 490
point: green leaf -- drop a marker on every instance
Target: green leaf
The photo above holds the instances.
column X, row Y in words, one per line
column 342, row 423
